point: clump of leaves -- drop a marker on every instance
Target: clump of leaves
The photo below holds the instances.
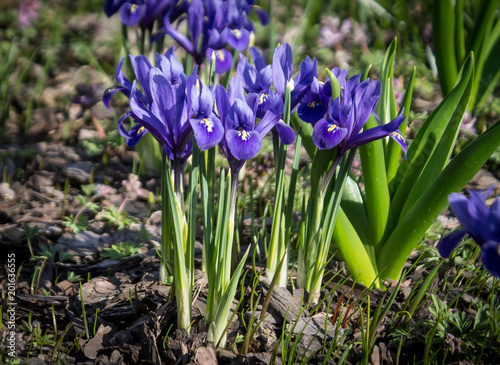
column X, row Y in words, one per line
column 76, row 224
column 74, row 278
column 51, row 254
column 119, row 218
column 120, row 250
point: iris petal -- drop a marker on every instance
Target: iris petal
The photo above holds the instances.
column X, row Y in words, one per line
column 286, row 133
column 449, row 242
column 243, row 144
column 131, row 14
column 208, row 131
column 282, row 67
column 491, row 257
column 223, row 59
column 239, row 39
column 327, row 135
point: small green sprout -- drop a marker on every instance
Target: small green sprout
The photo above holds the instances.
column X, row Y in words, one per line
column 74, row 278
column 118, row 218
column 120, row 250
column 76, row 224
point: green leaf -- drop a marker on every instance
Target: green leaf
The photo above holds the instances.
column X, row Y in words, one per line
column 182, row 281
column 386, row 102
column 377, row 198
column 429, row 137
column 306, row 132
column 217, row 327
column 488, row 70
column 393, row 150
column 459, row 31
column 442, row 152
column 354, row 208
column 459, row 171
column 347, row 243
column 320, row 165
column 483, row 26
column 372, row 155
column 334, row 84
column 364, row 75
column 443, row 37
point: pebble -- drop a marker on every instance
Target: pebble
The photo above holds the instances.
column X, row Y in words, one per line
column 6, row 192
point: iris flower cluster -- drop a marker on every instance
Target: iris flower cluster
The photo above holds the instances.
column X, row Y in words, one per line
column 212, row 25
column 250, row 97
column 174, row 107
column 171, row 106
column 340, row 122
column 139, row 12
column 479, row 222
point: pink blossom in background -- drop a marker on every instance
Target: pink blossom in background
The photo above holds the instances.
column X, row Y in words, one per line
column 28, row 12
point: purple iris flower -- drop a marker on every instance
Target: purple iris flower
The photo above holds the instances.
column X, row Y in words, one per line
column 243, row 136
column 479, row 222
column 314, row 104
column 282, row 71
column 346, row 116
column 212, row 25
column 257, row 80
column 138, row 12
column 171, row 106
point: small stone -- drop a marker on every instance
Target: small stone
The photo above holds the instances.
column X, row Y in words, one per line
column 6, row 193
column 79, row 171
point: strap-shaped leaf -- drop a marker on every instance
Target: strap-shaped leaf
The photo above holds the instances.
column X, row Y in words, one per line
column 354, row 208
column 488, row 71
column 459, row 31
column 377, row 198
column 306, row 132
column 386, row 101
column 372, row 155
column 182, row 281
column 443, row 37
column 421, row 151
column 459, row 171
column 347, row 243
column 393, row 150
column 442, row 152
column 218, row 325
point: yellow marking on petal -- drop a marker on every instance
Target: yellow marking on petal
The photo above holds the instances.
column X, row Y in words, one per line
column 312, row 104
column 209, row 124
column 331, row 128
column 263, row 96
column 220, row 55
column 237, row 33
column 140, row 130
column 243, row 134
column 133, row 8
column 398, row 135
column 111, row 89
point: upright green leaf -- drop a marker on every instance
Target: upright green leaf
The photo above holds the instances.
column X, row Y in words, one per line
column 359, row 260
column 386, row 101
column 443, row 37
column 393, row 150
column 488, row 70
column 459, row 31
column 453, row 178
column 421, row 151
column 377, row 198
column 373, row 155
column 442, row 152
column 354, row 208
